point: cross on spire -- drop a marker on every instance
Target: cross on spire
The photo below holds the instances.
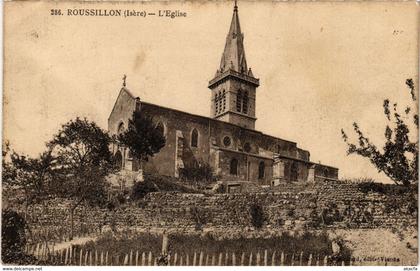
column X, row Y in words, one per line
column 124, row 80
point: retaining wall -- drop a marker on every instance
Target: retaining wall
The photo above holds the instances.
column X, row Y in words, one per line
column 317, row 206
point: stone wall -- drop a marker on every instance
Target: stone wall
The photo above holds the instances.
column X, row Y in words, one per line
column 317, row 206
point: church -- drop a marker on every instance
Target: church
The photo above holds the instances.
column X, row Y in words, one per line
column 227, row 140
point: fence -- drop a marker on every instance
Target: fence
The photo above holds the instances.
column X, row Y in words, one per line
column 75, row 255
column 59, row 234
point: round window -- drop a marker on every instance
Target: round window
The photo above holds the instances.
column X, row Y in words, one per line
column 247, row 147
column 226, row 141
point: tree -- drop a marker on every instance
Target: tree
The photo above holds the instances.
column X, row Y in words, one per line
column 30, row 175
column 83, row 160
column 142, row 137
column 399, row 158
column 33, row 176
column 8, row 171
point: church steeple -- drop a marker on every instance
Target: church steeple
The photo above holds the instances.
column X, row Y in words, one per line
column 234, row 54
column 234, row 85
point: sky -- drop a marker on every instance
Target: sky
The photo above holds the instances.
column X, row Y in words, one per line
column 322, row 66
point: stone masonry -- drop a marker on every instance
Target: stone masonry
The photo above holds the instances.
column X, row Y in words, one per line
column 322, row 205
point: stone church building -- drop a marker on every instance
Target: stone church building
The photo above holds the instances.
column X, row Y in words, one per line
column 227, row 140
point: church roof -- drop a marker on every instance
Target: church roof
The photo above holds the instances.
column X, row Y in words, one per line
column 213, row 120
column 234, row 54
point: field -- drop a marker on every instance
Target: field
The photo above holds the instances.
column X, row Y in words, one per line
column 129, row 248
column 188, row 244
column 357, row 247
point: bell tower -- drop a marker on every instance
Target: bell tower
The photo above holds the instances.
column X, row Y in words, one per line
column 234, row 86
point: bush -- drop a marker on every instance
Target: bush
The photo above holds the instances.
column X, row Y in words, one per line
column 198, row 171
column 199, row 217
column 141, row 189
column 111, row 205
column 387, row 189
column 13, row 239
column 257, row 215
column 166, row 183
column 399, row 197
column 121, row 198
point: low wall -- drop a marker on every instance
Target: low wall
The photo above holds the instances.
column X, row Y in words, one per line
column 327, row 205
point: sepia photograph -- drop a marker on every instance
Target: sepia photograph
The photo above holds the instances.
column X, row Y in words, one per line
column 210, row 133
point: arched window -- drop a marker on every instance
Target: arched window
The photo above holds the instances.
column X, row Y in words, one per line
column 161, row 128
column 194, row 138
column 234, row 167
column 120, row 128
column 239, row 101
column 245, row 103
column 261, row 169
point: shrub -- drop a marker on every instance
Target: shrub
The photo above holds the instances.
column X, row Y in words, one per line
column 141, row 189
column 121, row 198
column 403, row 198
column 13, row 239
column 111, row 205
column 387, row 189
column 197, row 171
column 330, row 214
column 166, row 183
column 199, row 217
column 257, row 215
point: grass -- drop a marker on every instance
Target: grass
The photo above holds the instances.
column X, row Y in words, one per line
column 386, row 189
column 164, row 183
column 308, row 243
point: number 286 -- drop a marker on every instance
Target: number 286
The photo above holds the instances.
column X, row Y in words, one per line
column 55, row 12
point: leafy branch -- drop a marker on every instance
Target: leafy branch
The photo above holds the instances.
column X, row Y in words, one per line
column 399, row 157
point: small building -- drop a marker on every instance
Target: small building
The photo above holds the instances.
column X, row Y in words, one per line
column 227, row 140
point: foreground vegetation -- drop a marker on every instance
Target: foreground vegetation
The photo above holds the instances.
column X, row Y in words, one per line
column 319, row 245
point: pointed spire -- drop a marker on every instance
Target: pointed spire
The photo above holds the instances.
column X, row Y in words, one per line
column 234, row 54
